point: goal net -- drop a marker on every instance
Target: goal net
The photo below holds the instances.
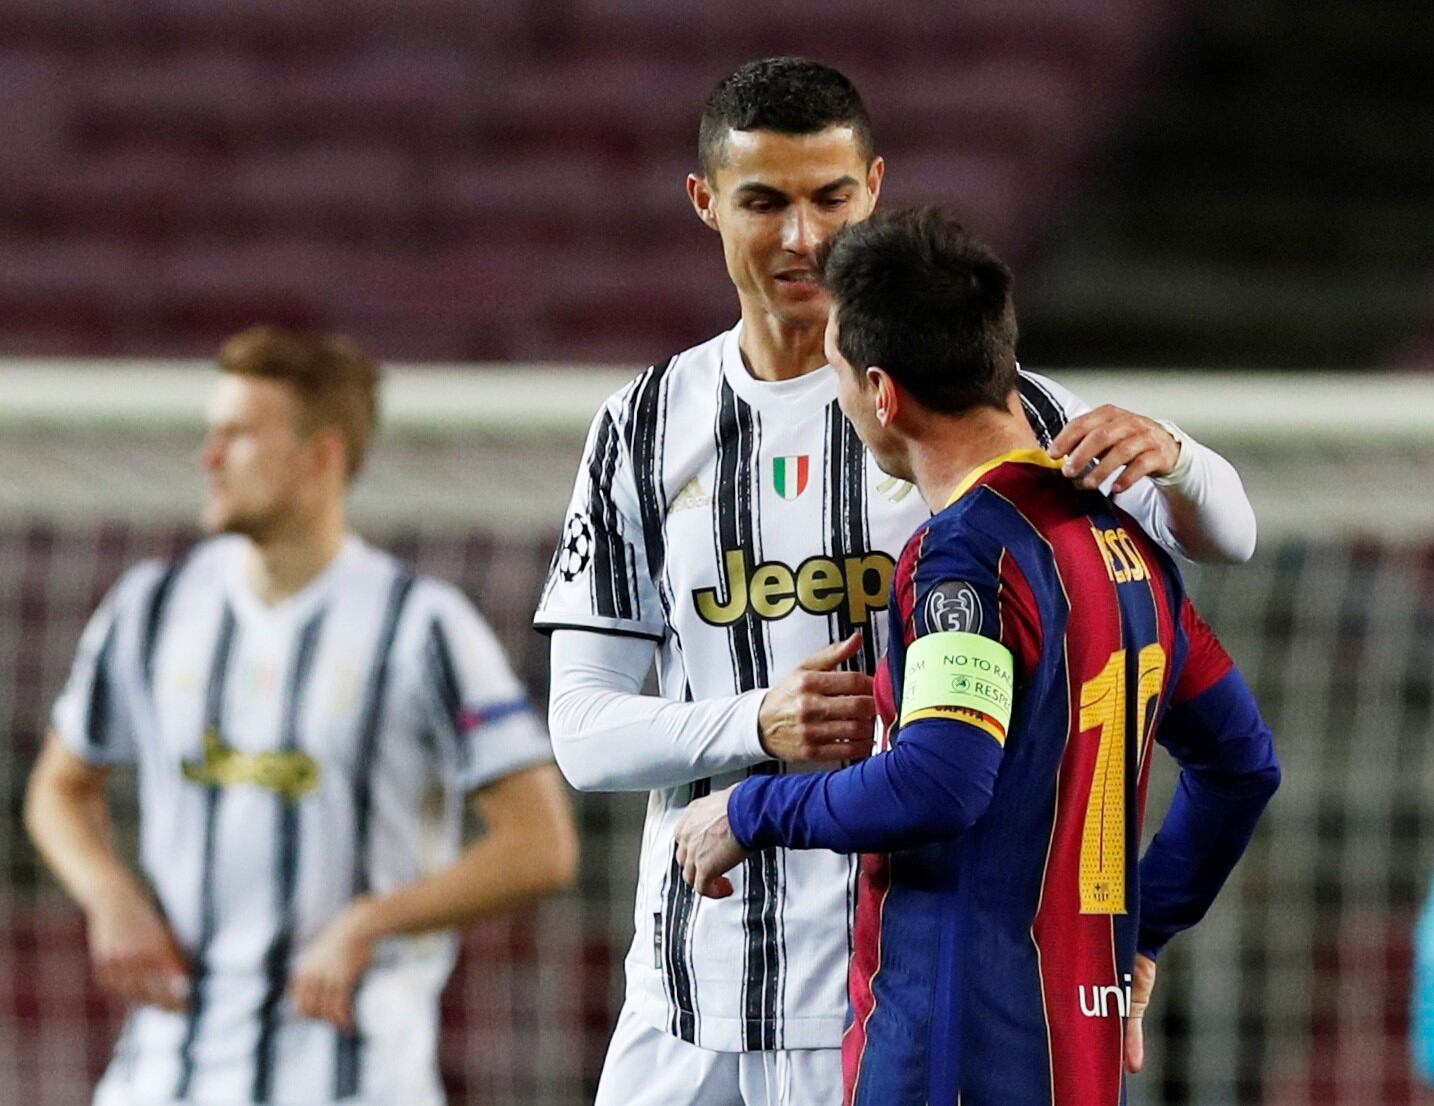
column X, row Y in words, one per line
column 1293, row 991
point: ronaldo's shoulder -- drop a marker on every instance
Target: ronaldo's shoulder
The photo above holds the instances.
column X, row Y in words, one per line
column 686, row 369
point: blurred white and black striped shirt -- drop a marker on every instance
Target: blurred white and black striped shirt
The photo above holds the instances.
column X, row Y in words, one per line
column 290, row 758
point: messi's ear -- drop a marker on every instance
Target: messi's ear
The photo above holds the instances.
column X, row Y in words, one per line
column 704, row 199
column 887, row 400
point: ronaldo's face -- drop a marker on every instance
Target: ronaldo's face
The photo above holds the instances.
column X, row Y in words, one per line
column 775, row 199
column 254, row 456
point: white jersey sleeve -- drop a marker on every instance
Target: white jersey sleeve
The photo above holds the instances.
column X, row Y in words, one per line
column 94, row 715
column 599, row 578
column 1200, row 511
column 467, row 695
column 609, row 737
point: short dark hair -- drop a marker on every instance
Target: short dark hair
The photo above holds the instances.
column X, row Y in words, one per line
column 918, row 296
column 336, row 384
column 787, row 95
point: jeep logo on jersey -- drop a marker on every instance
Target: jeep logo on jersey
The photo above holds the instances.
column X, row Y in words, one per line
column 819, row 585
column 789, row 475
column 953, row 606
column 288, row 773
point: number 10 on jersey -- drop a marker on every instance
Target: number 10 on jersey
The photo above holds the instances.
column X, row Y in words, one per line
column 1103, row 840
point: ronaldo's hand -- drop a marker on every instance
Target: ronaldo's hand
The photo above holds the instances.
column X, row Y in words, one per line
column 1097, row 443
column 706, row 849
column 135, row 954
column 328, row 971
column 1141, row 984
column 817, row 713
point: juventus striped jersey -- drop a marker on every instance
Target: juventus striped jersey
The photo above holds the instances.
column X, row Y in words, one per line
column 741, row 525
column 291, row 758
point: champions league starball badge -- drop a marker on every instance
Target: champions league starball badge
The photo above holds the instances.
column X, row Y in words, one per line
column 953, row 606
column 577, row 547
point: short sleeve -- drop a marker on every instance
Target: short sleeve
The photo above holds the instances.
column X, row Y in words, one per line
column 599, row 578
column 473, row 703
column 93, row 715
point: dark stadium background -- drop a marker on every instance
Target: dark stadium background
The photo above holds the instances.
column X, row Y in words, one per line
column 1180, row 186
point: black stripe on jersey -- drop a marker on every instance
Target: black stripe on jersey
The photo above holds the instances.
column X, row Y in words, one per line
column 97, row 712
column 347, row 1060
column 644, row 443
column 154, row 614
column 846, row 479
column 443, row 674
column 613, row 593
column 1042, row 411
column 276, row 959
column 678, row 916
column 208, row 920
column 738, row 451
column 732, row 501
column 546, row 628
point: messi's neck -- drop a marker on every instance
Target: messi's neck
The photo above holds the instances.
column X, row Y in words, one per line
column 943, row 450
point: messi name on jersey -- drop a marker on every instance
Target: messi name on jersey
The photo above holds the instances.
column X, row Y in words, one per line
column 819, row 585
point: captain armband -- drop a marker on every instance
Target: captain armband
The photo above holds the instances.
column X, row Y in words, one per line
column 959, row 676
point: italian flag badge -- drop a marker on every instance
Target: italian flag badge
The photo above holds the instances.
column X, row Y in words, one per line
column 789, row 475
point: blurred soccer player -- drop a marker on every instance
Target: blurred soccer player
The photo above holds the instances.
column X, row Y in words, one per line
column 308, row 718
column 727, row 522
column 1039, row 641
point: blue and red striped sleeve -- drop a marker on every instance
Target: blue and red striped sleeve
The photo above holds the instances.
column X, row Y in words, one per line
column 1228, row 772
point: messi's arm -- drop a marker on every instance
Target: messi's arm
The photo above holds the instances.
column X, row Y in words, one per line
column 935, row 782
column 1184, row 495
column 1228, row 772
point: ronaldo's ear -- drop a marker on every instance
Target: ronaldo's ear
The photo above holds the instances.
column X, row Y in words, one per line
column 875, row 174
column 703, row 199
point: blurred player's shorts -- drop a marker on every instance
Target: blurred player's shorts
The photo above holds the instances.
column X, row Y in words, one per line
column 1421, row 1035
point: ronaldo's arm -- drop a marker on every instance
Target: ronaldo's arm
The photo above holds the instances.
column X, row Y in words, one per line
column 1197, row 509
column 608, row 736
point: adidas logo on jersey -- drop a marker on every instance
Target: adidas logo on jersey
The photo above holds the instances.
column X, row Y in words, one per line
column 691, row 495
column 819, row 585
column 894, row 489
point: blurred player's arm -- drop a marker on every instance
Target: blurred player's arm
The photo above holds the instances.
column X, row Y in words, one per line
column 607, row 736
column 134, row 953
column 530, row 850
column 1185, row 495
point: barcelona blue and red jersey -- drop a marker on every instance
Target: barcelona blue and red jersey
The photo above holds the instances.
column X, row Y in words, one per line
column 1001, row 899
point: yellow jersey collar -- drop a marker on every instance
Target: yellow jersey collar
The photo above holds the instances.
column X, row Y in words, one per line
column 1018, row 456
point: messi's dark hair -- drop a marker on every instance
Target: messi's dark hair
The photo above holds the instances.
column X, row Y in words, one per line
column 787, row 95
column 920, row 297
